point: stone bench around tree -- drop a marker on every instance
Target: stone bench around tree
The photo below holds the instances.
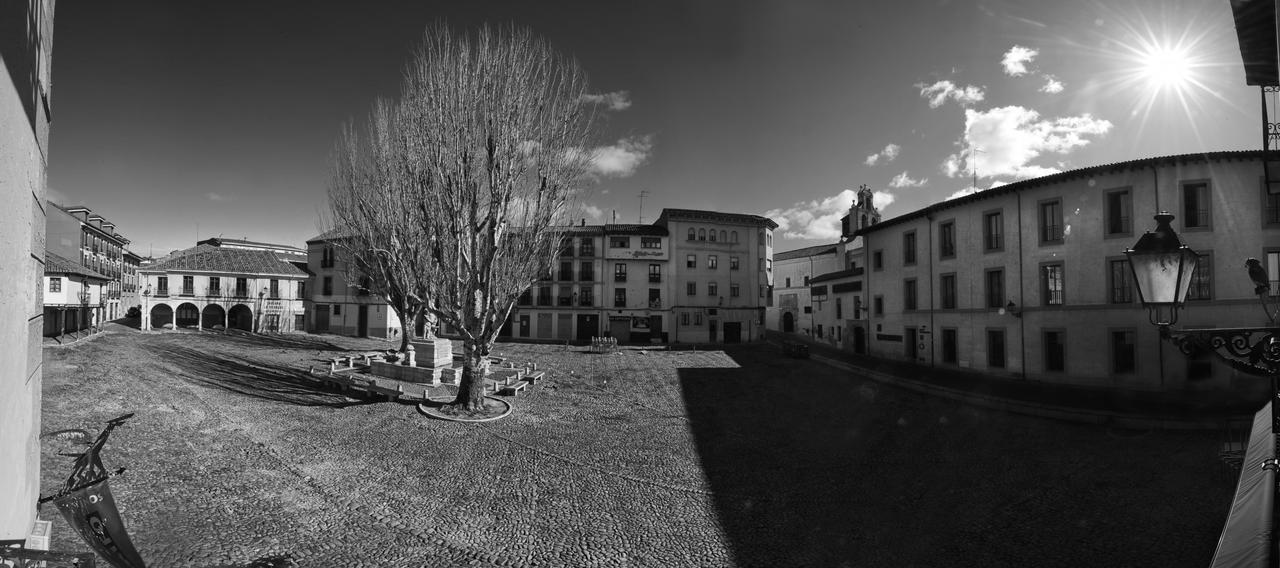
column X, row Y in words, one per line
column 513, row 389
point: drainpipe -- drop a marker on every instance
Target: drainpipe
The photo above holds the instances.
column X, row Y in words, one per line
column 1022, row 321
column 932, row 330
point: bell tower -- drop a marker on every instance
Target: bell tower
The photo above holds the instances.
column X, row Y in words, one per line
column 862, row 214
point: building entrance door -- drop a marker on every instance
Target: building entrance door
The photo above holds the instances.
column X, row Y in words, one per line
column 788, row 322
column 711, row 331
column 733, row 332
column 909, row 339
column 362, row 321
column 588, row 327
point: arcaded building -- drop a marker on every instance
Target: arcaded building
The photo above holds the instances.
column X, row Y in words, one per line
column 1029, row 280
column 78, row 234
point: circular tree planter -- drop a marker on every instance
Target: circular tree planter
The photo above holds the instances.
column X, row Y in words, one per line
column 495, row 408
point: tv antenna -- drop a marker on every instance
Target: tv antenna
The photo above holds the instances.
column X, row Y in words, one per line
column 973, row 155
column 643, row 194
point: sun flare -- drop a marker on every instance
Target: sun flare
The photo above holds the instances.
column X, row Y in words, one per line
column 1166, row 67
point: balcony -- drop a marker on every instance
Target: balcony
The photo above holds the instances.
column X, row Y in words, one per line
column 544, row 300
column 213, row 292
column 655, row 278
column 564, row 301
column 655, row 304
column 586, row 301
column 566, row 276
column 188, row 292
column 619, row 303
column 242, row 293
column 162, row 292
column 619, row 277
column 587, row 251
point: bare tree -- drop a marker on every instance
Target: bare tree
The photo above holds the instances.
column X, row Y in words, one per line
column 496, row 139
column 372, row 222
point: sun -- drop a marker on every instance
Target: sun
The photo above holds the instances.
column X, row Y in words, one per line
column 1167, row 67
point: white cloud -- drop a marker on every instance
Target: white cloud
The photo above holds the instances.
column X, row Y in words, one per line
column 216, row 196
column 904, row 180
column 595, row 214
column 939, row 92
column 972, row 190
column 889, row 152
column 617, row 100
column 1016, row 59
column 881, row 199
column 814, row 219
column 1009, row 138
column 1051, row 85
column 623, row 158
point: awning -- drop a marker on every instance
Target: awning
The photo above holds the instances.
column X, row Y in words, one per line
column 1246, row 538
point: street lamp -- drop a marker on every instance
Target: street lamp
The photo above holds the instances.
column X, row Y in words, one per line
column 1162, row 269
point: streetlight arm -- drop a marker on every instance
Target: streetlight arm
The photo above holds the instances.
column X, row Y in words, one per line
column 1250, row 350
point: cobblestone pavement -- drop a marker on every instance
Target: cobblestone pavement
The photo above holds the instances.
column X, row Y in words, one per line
column 642, row 458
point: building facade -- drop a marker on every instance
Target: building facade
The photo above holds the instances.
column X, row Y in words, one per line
column 210, row 287
column 73, row 296
column 77, row 233
column 335, row 302
column 26, row 36
column 130, row 294
column 722, row 275
column 1029, row 280
column 568, row 303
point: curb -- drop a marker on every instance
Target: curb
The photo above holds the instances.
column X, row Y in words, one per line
column 424, row 410
column 1068, row 414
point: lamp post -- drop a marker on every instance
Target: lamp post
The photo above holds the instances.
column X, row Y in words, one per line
column 1162, row 269
column 258, row 316
column 144, row 318
column 84, row 297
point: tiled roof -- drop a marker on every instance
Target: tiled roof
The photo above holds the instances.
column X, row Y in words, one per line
column 615, row 229
column 846, row 273
column 1064, row 176
column 205, row 258
column 701, row 215
column 807, row 251
column 54, row 264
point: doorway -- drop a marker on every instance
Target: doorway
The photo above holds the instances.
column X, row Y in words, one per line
column 909, row 338
column 362, row 321
column 788, row 322
column 733, row 332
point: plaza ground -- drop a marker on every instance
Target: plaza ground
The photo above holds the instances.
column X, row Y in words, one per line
column 640, row 458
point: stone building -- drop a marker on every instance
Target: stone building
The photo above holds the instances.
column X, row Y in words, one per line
column 337, row 302
column 213, row 287
column 567, row 303
column 721, row 272
column 26, row 45
column 130, row 294
column 1029, row 280
column 77, row 233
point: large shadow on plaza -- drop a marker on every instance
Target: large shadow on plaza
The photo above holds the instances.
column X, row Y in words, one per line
column 225, row 372
column 272, row 341
column 812, row 466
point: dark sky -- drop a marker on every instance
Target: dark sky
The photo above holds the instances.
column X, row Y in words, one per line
column 185, row 119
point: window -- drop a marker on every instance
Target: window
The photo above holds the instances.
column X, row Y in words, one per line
column 1270, row 207
column 691, row 288
column 302, row 290
column 877, row 304
column 909, row 248
column 650, row 242
column 806, row 280
column 586, row 271
column 724, row 237
column 1202, row 278
column 692, row 234
column 1195, row 205
column 188, row 285
column 877, row 260
column 655, row 299
column 947, row 240
column 275, row 289
column 788, row 282
column 1273, row 271
column 1123, row 352
column 619, row 242
column 566, row 270
column 947, row 286
column 1120, row 281
column 1051, row 290
column 365, row 285
column 619, row 297
column 839, row 308
column 55, row 284
column 995, row 348
column 761, row 238
column 242, row 287
column 713, row 235
column 909, row 294
column 684, row 318
column 215, row 286
column 950, row 347
column 566, row 247
column 691, row 261
column 733, row 237
column 711, row 261
column 619, row 272
column 697, row 318
column 1051, row 221
column 1055, row 350
column 712, row 289
column 995, row 287
column 337, row 309
column 326, row 287
column 587, row 248
column 655, row 273
column 586, row 297
column 1119, row 212
column 733, row 263
column 702, row 234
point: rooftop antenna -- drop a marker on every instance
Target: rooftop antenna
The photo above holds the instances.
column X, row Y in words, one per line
column 615, row 216
column 973, row 155
column 640, row 218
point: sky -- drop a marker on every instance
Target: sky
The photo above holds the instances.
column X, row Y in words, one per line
column 181, row 121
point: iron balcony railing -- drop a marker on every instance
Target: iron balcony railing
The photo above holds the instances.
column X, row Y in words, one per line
column 655, row 304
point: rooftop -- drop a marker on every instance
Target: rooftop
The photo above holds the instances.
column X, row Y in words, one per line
column 208, row 258
column 54, row 264
column 701, row 215
column 804, row 252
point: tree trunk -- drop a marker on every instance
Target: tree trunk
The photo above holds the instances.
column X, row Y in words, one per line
column 405, row 330
column 475, row 367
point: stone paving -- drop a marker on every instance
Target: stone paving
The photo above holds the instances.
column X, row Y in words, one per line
column 641, row 458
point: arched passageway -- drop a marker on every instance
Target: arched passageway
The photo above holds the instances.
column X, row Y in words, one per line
column 213, row 316
column 240, row 317
column 788, row 322
column 161, row 314
column 188, row 315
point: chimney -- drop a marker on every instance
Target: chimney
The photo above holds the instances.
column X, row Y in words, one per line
column 584, row 222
